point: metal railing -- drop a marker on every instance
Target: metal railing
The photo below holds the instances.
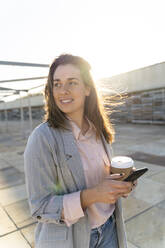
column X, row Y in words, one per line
column 6, row 92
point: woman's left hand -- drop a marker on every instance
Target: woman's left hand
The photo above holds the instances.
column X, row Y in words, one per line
column 134, row 184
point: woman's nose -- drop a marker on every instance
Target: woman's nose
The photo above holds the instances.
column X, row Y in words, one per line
column 65, row 88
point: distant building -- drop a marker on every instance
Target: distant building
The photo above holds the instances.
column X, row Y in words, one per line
column 145, row 103
column 145, row 88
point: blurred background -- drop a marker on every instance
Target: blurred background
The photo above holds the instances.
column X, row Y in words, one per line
column 124, row 43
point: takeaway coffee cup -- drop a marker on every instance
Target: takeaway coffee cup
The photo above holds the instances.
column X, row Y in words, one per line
column 122, row 164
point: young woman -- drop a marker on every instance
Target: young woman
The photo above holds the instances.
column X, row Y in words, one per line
column 71, row 193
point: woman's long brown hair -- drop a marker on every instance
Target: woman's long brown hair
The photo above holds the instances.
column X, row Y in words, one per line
column 93, row 108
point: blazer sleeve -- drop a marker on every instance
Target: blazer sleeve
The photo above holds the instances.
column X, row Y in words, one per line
column 41, row 179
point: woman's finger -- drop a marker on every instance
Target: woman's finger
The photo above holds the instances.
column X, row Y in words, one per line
column 134, row 183
column 125, row 195
column 115, row 176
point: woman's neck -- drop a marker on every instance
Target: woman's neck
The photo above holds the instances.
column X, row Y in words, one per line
column 81, row 122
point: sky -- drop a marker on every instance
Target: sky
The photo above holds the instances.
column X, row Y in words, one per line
column 114, row 36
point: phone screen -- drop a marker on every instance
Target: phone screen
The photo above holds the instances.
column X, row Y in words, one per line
column 136, row 174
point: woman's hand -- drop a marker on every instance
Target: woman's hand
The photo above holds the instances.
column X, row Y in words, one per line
column 134, row 183
column 110, row 189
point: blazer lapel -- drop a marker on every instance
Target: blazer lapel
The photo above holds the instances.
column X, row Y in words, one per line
column 73, row 158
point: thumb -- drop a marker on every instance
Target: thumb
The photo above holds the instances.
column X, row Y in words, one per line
column 115, row 176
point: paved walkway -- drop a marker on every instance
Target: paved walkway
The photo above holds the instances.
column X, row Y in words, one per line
column 144, row 209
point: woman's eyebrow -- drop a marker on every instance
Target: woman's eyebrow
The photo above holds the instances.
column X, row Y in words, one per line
column 72, row 78
column 56, row 79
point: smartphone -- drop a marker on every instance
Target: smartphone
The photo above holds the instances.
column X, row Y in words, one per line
column 136, row 174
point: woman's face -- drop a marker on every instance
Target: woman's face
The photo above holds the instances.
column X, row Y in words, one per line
column 69, row 91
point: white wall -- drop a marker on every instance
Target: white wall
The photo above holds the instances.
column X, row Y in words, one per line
column 37, row 100
column 151, row 77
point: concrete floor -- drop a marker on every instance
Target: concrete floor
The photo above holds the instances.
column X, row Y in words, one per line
column 144, row 209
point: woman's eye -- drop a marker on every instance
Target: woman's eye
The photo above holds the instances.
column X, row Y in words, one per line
column 56, row 85
column 71, row 83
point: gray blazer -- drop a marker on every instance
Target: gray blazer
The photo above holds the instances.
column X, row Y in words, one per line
column 53, row 167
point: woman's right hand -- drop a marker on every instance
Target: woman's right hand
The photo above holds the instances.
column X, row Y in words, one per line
column 110, row 189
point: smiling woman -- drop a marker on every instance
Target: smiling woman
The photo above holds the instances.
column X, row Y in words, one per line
column 67, row 164
column 70, row 78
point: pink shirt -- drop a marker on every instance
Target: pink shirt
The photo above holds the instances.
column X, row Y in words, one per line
column 96, row 166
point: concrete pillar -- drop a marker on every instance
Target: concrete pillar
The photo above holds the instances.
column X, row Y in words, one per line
column 164, row 100
column 22, row 117
column 30, row 113
column 6, row 118
column 131, row 108
column 163, row 103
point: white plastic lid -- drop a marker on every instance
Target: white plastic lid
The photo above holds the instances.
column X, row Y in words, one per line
column 122, row 162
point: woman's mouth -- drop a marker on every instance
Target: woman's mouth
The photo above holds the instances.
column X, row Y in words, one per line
column 66, row 101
